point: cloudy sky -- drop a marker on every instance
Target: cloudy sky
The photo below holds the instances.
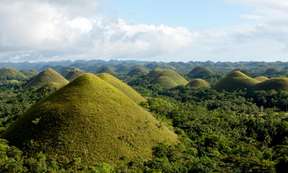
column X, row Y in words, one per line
column 166, row 30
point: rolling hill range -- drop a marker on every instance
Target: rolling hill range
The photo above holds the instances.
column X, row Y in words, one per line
column 198, row 84
column 126, row 89
column 11, row 74
column 48, row 77
column 92, row 120
column 273, row 84
column 236, row 80
column 166, row 78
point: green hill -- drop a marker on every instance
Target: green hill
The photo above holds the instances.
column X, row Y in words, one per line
column 273, row 84
column 126, row 89
column 200, row 72
column 138, row 71
column 11, row 74
column 236, row 80
column 106, row 69
column 261, row 78
column 89, row 119
column 198, row 83
column 73, row 74
column 166, row 78
column 46, row 78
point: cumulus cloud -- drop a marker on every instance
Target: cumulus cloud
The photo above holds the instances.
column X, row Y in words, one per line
column 37, row 30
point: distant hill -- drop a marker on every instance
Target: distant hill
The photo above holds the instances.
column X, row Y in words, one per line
column 106, row 69
column 138, row 71
column 261, row 78
column 73, row 74
column 47, row 77
column 92, row 120
column 167, row 78
column 198, row 84
column 273, row 84
column 11, row 74
column 200, row 72
column 236, row 80
column 122, row 86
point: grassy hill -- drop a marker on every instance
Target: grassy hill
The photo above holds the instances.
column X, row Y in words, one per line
column 138, row 71
column 122, row 86
column 167, row 78
column 236, row 80
column 46, row 78
column 200, row 72
column 273, row 84
column 261, row 78
column 92, row 120
column 198, row 83
column 11, row 74
column 106, row 69
column 73, row 74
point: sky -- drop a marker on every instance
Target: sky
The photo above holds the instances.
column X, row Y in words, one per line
column 151, row 30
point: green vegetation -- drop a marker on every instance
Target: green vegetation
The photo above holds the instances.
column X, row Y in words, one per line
column 73, row 74
column 138, row 71
column 48, row 77
column 126, row 89
column 92, row 120
column 200, row 72
column 236, row 80
column 167, row 78
column 198, row 84
column 273, row 84
column 261, row 78
column 11, row 74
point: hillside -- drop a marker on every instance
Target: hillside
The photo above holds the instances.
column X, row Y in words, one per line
column 46, row 78
column 236, row 80
column 92, row 120
column 122, row 86
column 73, row 74
column 11, row 74
column 166, row 78
column 200, row 72
column 273, row 84
column 198, row 84
column 138, row 71
column 261, row 78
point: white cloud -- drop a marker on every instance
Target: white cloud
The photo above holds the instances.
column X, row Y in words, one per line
column 60, row 29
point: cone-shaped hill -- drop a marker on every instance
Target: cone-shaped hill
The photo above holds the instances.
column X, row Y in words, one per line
column 138, row 71
column 106, row 69
column 198, row 84
column 261, row 78
column 200, row 72
column 126, row 89
column 92, row 120
column 11, row 74
column 49, row 77
column 273, row 84
column 236, row 80
column 167, row 78
column 73, row 74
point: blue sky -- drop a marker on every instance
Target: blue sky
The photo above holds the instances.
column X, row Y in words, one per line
column 154, row 30
column 188, row 13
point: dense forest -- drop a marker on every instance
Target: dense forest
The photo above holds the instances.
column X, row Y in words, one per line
column 228, row 117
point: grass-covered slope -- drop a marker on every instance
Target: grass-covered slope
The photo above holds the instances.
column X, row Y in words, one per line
column 236, row 80
column 122, row 86
column 198, row 84
column 261, row 78
column 11, row 74
column 167, row 78
column 92, row 120
column 200, row 72
column 46, row 78
column 273, row 84
column 138, row 71
column 73, row 74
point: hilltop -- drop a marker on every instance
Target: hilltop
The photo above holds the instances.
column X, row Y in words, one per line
column 200, row 72
column 167, row 78
column 236, row 80
column 11, row 74
column 46, row 78
column 261, row 78
column 273, row 84
column 198, row 83
column 122, row 86
column 138, row 71
column 73, row 74
column 92, row 120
